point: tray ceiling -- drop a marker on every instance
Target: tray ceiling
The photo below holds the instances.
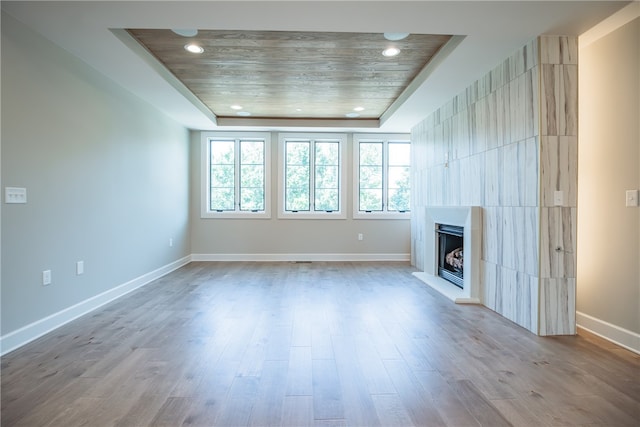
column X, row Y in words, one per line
column 289, row 74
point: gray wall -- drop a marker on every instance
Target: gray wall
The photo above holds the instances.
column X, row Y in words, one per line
column 106, row 178
column 609, row 164
column 279, row 237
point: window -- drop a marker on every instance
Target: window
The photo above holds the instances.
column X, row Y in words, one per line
column 235, row 175
column 311, row 175
column 381, row 176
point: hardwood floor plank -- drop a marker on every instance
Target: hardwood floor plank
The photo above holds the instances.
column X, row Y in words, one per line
column 327, row 394
column 420, row 408
column 299, row 374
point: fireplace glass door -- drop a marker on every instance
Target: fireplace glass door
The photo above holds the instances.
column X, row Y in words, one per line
column 450, row 255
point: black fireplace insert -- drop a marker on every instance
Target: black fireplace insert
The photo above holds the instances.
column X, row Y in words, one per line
column 451, row 253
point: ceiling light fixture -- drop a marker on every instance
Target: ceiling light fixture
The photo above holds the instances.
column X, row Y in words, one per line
column 194, row 48
column 352, row 115
column 395, row 36
column 391, row 51
column 243, row 113
column 358, row 109
column 186, row 32
column 236, row 107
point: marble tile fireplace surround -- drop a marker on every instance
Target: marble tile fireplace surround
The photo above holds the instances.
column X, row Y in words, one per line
column 470, row 218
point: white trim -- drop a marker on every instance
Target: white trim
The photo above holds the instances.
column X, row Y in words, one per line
column 610, row 332
column 300, row 257
column 26, row 334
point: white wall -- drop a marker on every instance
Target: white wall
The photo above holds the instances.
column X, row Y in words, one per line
column 608, row 270
column 106, row 178
column 279, row 239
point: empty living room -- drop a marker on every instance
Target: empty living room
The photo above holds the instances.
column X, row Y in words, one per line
column 320, row 213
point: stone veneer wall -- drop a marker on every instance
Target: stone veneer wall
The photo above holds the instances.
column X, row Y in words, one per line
column 508, row 143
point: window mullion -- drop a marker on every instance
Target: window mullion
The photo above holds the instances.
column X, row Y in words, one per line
column 312, row 174
column 236, row 177
column 385, row 175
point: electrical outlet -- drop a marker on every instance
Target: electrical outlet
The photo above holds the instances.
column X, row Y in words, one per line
column 15, row 195
column 79, row 268
column 632, row 198
column 360, row 236
column 46, row 277
column 558, row 198
column 170, row 242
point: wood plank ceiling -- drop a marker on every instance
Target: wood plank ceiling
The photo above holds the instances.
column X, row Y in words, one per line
column 288, row 75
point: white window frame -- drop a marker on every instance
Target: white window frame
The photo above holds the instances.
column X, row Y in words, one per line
column 205, row 212
column 342, row 180
column 385, row 139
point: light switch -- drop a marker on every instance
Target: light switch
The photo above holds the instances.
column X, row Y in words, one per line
column 632, row 198
column 15, row 195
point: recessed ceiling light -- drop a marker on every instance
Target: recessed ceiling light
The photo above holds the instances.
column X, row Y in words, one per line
column 395, row 36
column 185, row 32
column 391, row 51
column 358, row 109
column 243, row 113
column 236, row 107
column 298, row 110
column 352, row 115
column 194, row 48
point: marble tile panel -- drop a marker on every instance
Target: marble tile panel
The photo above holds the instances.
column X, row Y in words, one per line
column 492, row 177
column 524, row 305
column 492, row 235
column 518, row 110
column 559, row 50
column 567, row 114
column 549, row 99
column 491, row 121
column 531, row 54
column 503, row 112
column 509, row 292
column 480, row 135
column 453, row 187
column 497, row 77
column 517, row 63
column 534, row 295
column 531, row 103
column 558, row 242
column 549, row 50
column 531, row 172
column 513, row 238
column 511, row 181
column 559, row 169
column 531, row 239
column 490, row 296
column 557, row 313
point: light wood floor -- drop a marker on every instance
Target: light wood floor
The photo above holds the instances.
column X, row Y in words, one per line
column 299, row 344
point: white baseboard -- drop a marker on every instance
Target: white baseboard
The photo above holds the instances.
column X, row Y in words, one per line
column 26, row 334
column 617, row 335
column 300, row 257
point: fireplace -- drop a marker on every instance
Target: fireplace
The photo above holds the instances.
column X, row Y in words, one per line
column 461, row 229
column 451, row 253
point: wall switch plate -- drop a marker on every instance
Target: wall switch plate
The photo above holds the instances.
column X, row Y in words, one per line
column 79, row 268
column 15, row 195
column 46, row 277
column 170, row 242
column 360, row 236
column 558, row 198
column 632, row 198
